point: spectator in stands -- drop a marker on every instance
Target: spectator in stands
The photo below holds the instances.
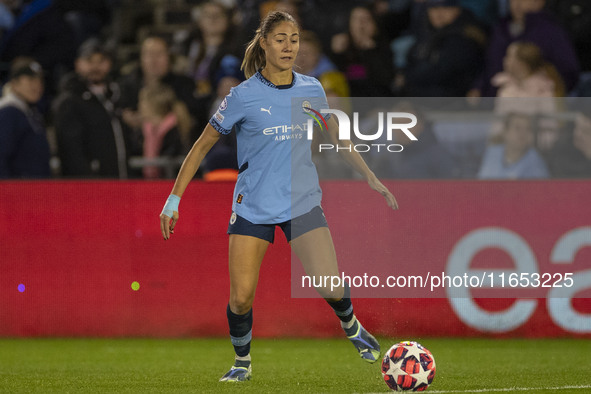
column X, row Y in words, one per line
column 571, row 156
column 526, row 74
column 91, row 141
column 166, row 125
column 528, row 22
column 204, row 48
column 364, row 56
column 24, row 150
column 529, row 84
column 445, row 60
column 155, row 66
column 40, row 32
column 425, row 158
column 515, row 157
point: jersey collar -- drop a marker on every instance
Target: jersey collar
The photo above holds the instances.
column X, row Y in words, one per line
column 264, row 80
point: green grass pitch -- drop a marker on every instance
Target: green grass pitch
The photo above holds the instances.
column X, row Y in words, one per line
column 283, row 365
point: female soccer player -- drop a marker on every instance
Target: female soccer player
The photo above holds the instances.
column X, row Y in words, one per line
column 271, row 148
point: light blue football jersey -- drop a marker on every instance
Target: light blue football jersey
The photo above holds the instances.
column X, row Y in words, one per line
column 277, row 179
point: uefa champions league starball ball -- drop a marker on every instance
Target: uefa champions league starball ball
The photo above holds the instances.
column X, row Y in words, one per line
column 408, row 366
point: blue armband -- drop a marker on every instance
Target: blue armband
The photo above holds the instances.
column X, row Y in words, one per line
column 172, row 204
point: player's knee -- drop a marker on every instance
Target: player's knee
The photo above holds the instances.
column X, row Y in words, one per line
column 241, row 303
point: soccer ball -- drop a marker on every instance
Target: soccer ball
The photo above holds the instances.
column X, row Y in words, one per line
column 408, row 366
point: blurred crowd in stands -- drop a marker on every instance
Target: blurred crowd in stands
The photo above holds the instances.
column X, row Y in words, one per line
column 122, row 88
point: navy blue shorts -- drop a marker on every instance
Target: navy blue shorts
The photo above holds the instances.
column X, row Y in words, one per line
column 291, row 228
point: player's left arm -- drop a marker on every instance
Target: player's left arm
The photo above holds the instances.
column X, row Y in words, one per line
column 356, row 161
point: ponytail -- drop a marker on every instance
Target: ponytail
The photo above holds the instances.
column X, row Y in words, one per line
column 254, row 56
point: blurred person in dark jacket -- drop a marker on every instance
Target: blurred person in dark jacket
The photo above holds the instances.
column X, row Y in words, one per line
column 447, row 56
column 530, row 23
column 364, row 56
column 91, row 141
column 24, row 150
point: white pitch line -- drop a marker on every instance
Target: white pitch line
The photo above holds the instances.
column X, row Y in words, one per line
column 510, row 389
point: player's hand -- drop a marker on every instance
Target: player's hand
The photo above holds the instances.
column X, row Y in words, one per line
column 167, row 224
column 379, row 187
column 169, row 216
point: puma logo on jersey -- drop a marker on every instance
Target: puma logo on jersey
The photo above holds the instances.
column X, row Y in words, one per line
column 267, row 110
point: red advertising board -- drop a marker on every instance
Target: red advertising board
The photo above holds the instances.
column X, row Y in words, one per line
column 70, row 251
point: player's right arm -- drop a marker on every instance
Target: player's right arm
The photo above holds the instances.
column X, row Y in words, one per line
column 230, row 112
column 209, row 137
